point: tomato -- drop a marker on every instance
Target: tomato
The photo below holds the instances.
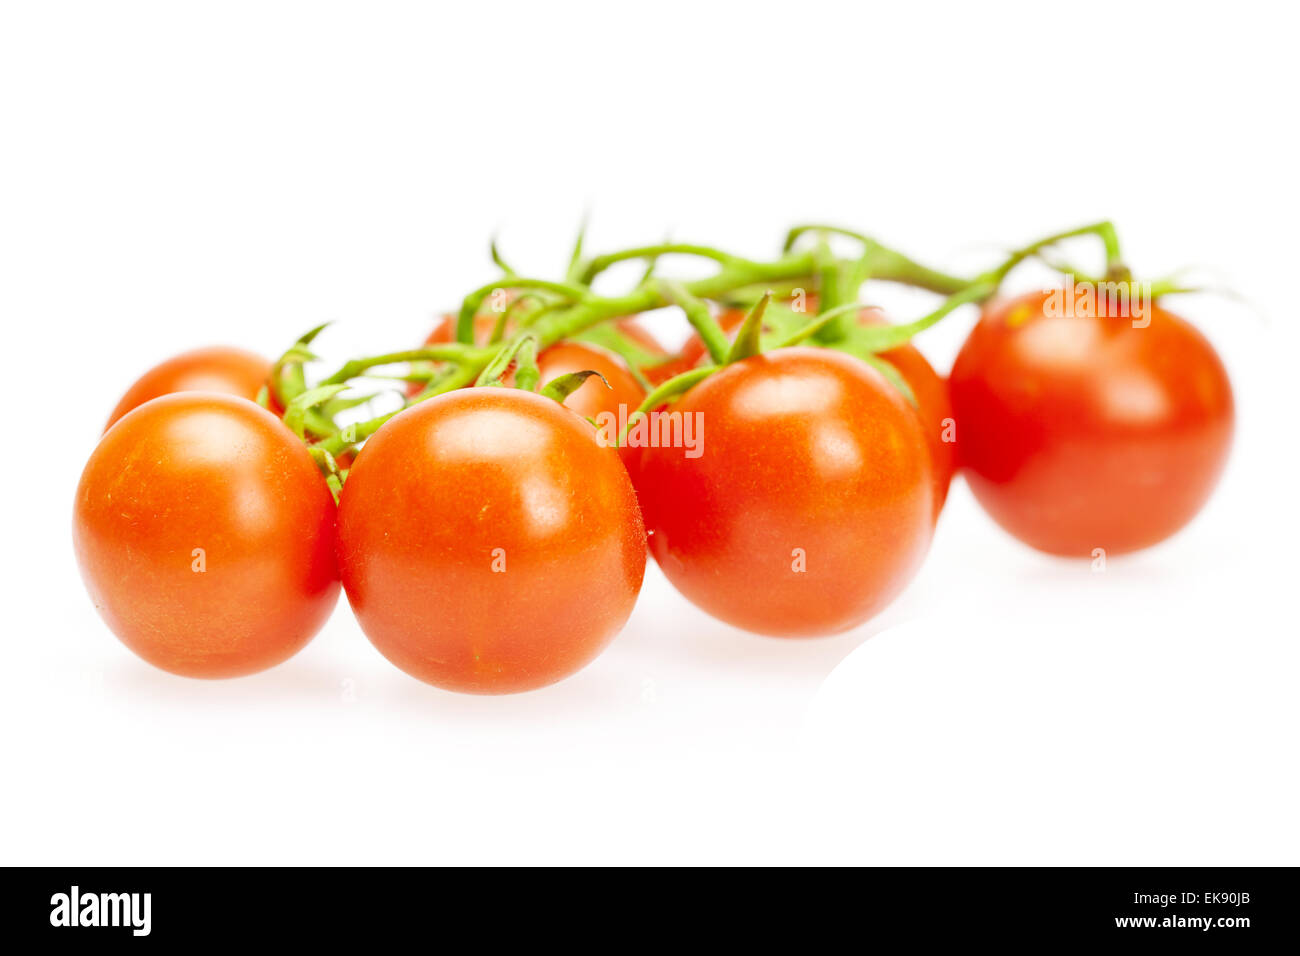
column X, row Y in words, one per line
column 810, row 503
column 205, row 535
column 488, row 543
column 1080, row 431
column 592, row 398
column 933, row 406
column 928, row 387
column 219, row 368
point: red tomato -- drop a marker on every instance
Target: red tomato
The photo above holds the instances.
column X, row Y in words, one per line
column 487, row 543
column 593, row 399
column 205, row 535
column 222, row 369
column 811, row 504
column 933, row 406
column 1079, row 431
column 929, row 388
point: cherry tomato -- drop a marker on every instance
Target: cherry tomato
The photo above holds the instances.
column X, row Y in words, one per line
column 928, row 387
column 810, row 504
column 592, row 398
column 933, row 406
column 1080, row 431
column 219, row 368
column 488, row 543
column 205, row 535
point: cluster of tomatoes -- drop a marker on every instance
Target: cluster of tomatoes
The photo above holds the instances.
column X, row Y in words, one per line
column 491, row 540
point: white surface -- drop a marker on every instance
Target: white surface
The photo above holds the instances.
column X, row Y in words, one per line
column 174, row 176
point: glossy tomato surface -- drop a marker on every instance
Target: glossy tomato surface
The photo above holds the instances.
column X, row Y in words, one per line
column 205, row 535
column 928, row 387
column 1079, row 431
column 219, row 368
column 933, row 406
column 619, row 390
column 811, row 503
column 618, row 396
column 487, row 543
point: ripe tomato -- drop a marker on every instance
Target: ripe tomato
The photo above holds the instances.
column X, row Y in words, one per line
column 1080, row 431
column 592, row 398
column 219, row 368
column 487, row 543
column 933, row 406
column 931, row 391
column 205, row 535
column 811, row 503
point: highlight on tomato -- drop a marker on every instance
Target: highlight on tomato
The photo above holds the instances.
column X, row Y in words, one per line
column 218, row 368
column 488, row 543
column 1090, row 422
column 929, row 389
column 205, row 535
column 810, row 503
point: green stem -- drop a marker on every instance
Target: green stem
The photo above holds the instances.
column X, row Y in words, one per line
column 469, row 308
column 701, row 319
column 1104, row 230
column 884, row 337
column 600, row 263
column 336, row 443
column 451, row 352
column 578, row 308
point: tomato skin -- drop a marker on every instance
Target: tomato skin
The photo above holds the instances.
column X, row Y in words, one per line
column 930, row 389
column 933, row 406
column 592, row 398
column 453, row 486
column 199, row 470
column 803, row 448
column 219, row 368
column 1080, row 432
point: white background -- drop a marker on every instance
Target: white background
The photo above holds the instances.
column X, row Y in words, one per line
column 178, row 174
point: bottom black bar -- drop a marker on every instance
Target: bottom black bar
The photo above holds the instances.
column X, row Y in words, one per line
column 1229, row 907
